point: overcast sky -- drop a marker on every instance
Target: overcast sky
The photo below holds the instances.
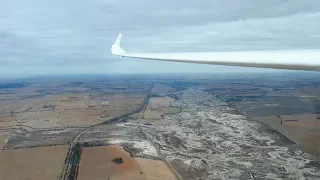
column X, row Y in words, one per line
column 73, row 36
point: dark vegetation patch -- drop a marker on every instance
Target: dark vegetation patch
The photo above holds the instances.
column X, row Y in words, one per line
column 118, row 88
column 117, row 160
column 174, row 96
column 74, row 160
column 11, row 85
column 76, row 83
column 49, row 107
column 182, row 85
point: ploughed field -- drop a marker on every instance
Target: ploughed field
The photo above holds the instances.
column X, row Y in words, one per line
column 32, row 163
column 113, row 162
column 55, row 103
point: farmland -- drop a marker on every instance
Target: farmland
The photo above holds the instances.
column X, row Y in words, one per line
column 32, row 163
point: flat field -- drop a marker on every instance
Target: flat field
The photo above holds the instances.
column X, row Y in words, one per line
column 304, row 129
column 96, row 163
column 159, row 106
column 46, row 104
column 32, row 163
column 3, row 139
column 155, row 169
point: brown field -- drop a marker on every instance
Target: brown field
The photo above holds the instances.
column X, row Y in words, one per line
column 6, row 122
column 46, row 103
column 3, row 140
column 155, row 169
column 161, row 88
column 304, row 120
column 158, row 106
column 96, row 163
column 304, row 129
column 68, row 109
column 152, row 114
column 34, row 163
column 159, row 102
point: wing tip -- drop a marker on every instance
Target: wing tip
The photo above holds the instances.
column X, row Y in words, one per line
column 116, row 47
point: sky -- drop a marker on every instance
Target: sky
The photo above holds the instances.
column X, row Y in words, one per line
column 74, row 37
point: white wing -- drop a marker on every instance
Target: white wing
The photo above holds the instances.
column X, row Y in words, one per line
column 289, row 59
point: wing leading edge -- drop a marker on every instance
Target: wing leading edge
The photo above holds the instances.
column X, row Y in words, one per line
column 308, row 60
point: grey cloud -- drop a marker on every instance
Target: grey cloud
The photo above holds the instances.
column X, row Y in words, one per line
column 64, row 33
column 157, row 14
column 288, row 32
column 4, row 35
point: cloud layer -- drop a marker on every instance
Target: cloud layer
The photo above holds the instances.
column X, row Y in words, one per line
column 59, row 37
